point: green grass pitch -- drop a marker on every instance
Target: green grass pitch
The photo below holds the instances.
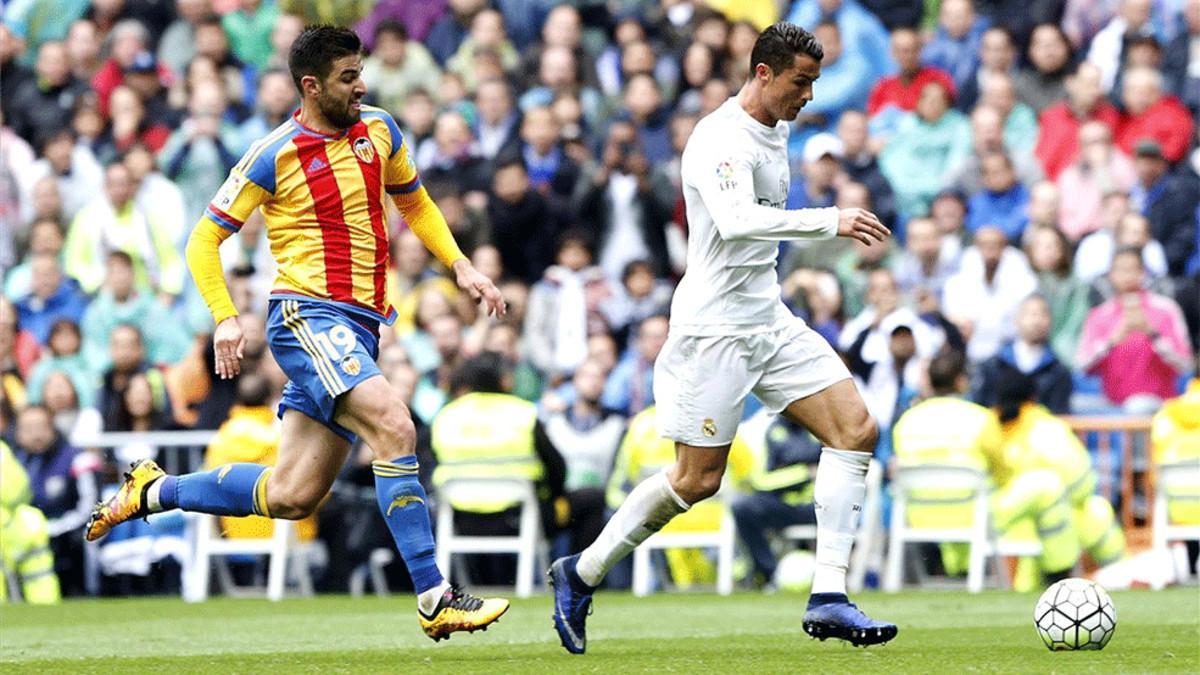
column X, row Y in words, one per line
column 684, row 633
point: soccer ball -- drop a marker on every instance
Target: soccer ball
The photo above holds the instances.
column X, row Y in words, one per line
column 1075, row 614
column 794, row 573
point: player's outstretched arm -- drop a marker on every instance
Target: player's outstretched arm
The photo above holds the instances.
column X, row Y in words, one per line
column 427, row 222
column 204, row 261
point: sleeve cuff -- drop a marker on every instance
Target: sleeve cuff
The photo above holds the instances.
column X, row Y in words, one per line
column 404, row 188
column 222, row 219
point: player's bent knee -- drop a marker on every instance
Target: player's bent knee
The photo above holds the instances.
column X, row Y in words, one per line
column 291, row 501
column 695, row 486
column 861, row 434
column 397, row 427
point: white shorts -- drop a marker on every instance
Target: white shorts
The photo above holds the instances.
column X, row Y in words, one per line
column 701, row 382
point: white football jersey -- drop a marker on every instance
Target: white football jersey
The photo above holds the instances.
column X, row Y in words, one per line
column 735, row 185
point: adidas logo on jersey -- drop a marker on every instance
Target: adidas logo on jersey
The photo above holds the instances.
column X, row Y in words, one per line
column 316, row 165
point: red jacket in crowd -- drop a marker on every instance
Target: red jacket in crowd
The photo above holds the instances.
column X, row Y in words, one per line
column 1167, row 121
column 1058, row 141
column 893, row 91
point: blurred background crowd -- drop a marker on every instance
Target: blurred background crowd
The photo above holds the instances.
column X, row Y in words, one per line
column 1037, row 161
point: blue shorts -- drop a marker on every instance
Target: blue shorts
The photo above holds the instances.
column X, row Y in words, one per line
column 325, row 352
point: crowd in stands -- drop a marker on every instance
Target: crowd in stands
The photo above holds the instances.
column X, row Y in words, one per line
column 1037, row 162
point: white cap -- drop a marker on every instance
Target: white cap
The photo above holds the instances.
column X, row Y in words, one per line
column 823, row 144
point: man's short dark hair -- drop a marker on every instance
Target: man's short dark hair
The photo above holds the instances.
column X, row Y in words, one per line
column 316, row 48
column 253, row 390
column 945, row 368
column 479, row 374
column 393, row 27
column 778, row 45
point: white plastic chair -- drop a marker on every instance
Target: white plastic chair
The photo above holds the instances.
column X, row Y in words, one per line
column 722, row 539
column 1171, row 479
column 282, row 547
column 528, row 544
column 868, row 533
column 983, row 544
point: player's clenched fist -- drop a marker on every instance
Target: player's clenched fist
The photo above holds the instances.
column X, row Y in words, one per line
column 862, row 225
column 229, row 345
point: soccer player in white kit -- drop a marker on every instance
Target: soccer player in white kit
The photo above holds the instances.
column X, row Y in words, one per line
column 731, row 335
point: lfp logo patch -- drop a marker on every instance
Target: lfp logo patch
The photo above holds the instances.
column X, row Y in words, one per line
column 364, row 150
column 725, row 176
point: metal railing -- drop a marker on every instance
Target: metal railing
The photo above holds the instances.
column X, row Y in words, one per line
column 1122, row 442
column 180, row 451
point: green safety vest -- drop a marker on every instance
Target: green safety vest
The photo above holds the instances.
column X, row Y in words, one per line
column 484, row 435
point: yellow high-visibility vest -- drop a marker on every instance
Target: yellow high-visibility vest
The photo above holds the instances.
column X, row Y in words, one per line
column 485, row 435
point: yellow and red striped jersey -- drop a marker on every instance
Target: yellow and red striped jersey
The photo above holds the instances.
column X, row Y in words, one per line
column 322, row 197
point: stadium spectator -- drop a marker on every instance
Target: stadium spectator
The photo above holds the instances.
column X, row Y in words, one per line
column 60, row 395
column 1020, row 121
column 64, row 354
column 1028, row 502
column 45, row 238
column 923, row 267
column 52, row 296
column 565, row 307
column 562, row 27
column 1043, row 84
column 497, row 122
column 18, row 352
column 140, row 408
column 630, row 386
column 46, row 104
column 903, row 90
column 1003, row 202
column 157, row 195
column 126, row 40
column 1100, row 169
column 929, row 142
column 25, row 549
column 1178, row 67
column 274, row 103
column 249, row 29
column 177, row 44
column 813, row 185
column 199, row 155
column 118, row 303
column 981, row 300
column 1058, row 145
column 143, row 79
column 523, row 221
column 853, row 269
column 891, row 375
column 781, row 481
column 1175, row 433
column 639, row 296
column 997, row 56
column 486, row 35
column 1036, row 440
column 1106, row 49
column 987, row 136
column 397, row 66
column 453, row 154
column 113, row 221
column 1031, row 354
column 588, row 436
column 505, row 339
column 1049, row 255
column 130, row 125
column 626, row 204
column 485, row 432
column 860, row 162
column 287, row 28
column 445, row 36
column 1136, row 342
column 63, row 483
column 83, row 49
column 1168, row 201
column 127, row 356
column 1152, row 114
column 550, row 168
column 1093, row 258
column 955, row 44
column 73, row 167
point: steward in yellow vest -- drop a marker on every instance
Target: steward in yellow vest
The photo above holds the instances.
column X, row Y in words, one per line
column 1030, row 503
column 485, row 432
column 24, row 537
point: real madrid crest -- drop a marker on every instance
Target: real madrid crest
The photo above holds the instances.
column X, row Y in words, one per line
column 709, row 428
column 351, row 365
column 364, row 150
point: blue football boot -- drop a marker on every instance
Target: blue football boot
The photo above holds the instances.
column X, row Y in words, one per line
column 832, row 615
column 572, row 604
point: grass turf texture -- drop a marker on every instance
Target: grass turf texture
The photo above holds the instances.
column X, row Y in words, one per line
column 939, row 632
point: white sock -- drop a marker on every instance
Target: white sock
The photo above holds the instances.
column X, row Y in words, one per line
column 153, row 505
column 838, row 495
column 650, row 506
column 428, row 601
